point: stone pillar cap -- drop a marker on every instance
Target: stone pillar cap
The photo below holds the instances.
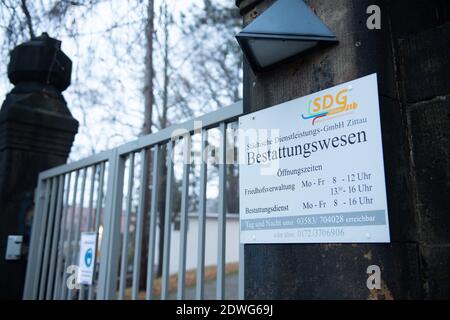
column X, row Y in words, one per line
column 40, row 60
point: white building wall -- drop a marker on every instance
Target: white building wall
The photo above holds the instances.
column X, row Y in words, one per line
column 211, row 242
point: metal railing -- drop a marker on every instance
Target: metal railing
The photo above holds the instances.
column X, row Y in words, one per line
column 107, row 194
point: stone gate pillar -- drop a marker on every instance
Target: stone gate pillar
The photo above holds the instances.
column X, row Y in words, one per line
column 36, row 133
column 410, row 56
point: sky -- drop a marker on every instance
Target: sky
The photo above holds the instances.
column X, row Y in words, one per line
column 113, row 114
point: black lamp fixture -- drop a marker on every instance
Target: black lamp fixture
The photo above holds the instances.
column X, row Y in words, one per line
column 284, row 30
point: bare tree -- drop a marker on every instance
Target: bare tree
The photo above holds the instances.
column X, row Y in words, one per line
column 180, row 78
column 166, row 20
column 148, row 76
column 216, row 69
column 147, row 129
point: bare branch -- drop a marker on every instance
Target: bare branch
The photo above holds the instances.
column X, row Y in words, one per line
column 28, row 18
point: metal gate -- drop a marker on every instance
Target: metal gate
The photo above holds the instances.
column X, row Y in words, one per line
column 115, row 190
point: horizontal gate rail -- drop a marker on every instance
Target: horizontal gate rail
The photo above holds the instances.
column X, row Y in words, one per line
column 207, row 121
column 93, row 195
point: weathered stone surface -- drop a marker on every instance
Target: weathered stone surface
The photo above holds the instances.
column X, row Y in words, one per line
column 330, row 271
column 408, row 17
column 36, row 119
column 410, row 67
column 435, row 266
column 246, row 5
column 430, row 134
column 402, row 217
column 425, row 63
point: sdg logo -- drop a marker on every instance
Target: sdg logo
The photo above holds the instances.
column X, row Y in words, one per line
column 328, row 106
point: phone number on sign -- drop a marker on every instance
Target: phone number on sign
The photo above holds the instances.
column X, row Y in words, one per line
column 334, row 219
column 309, row 233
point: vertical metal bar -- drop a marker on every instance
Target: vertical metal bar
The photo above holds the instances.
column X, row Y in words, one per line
column 76, row 253
column 241, row 276
column 56, row 232
column 40, row 247
column 97, row 222
column 48, row 235
column 67, row 251
column 76, row 245
column 109, row 262
column 167, row 223
column 184, row 218
column 241, row 272
column 199, row 294
column 152, row 228
column 124, row 258
column 89, row 219
column 60, row 253
column 222, row 222
column 91, row 199
column 139, row 225
column 32, row 275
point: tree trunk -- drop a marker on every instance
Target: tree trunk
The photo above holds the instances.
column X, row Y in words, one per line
column 164, row 123
column 148, row 86
column 147, row 129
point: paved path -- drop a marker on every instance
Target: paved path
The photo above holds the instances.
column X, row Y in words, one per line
column 231, row 289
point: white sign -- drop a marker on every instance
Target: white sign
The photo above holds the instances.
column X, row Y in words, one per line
column 87, row 257
column 311, row 169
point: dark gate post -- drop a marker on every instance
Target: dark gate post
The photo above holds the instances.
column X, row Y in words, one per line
column 36, row 133
column 410, row 56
